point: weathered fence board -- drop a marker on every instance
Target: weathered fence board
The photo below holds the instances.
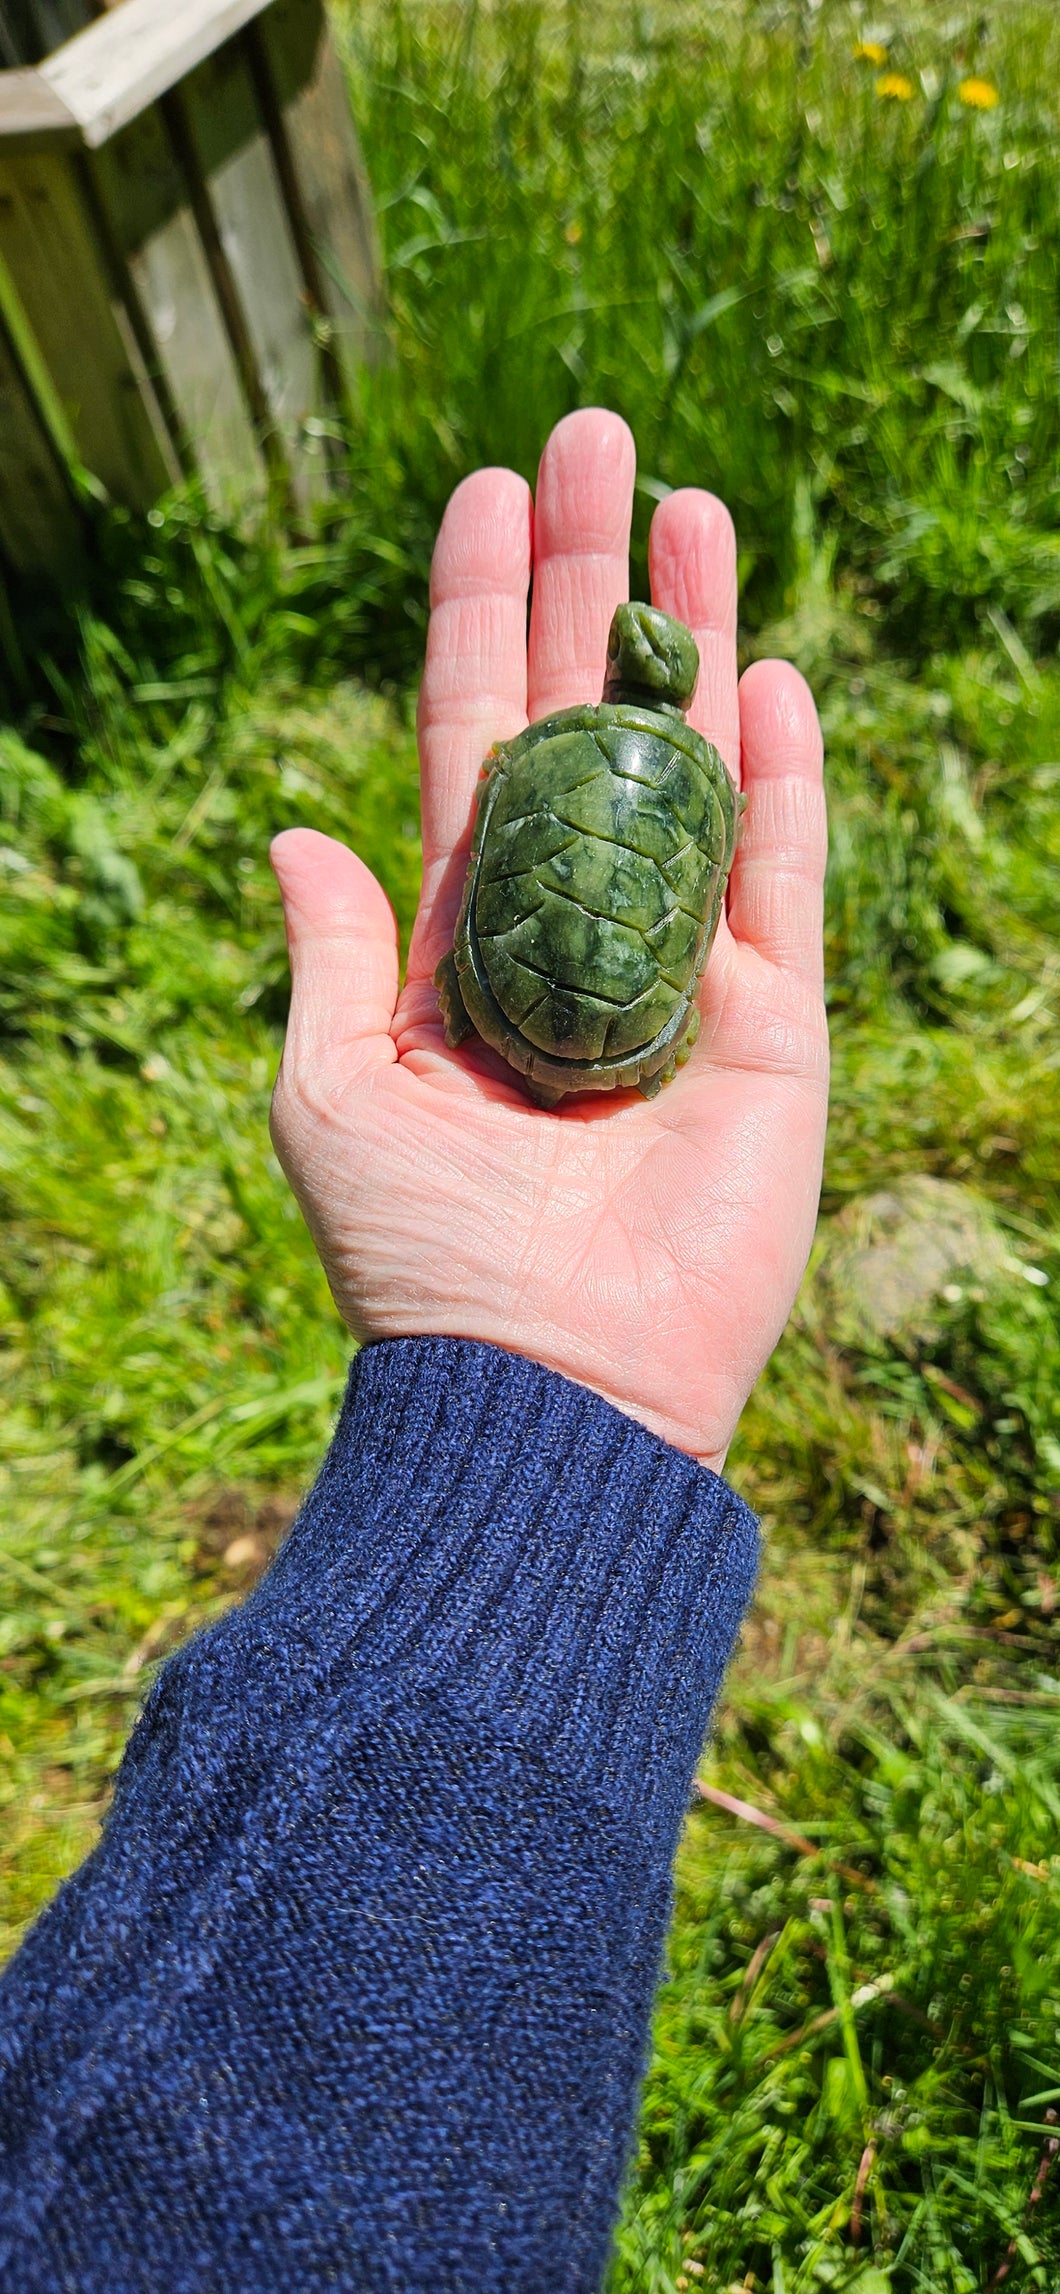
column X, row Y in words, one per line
column 31, row 113
column 233, row 155
column 314, row 108
column 145, row 198
column 127, row 59
column 185, row 220
column 61, row 278
column 39, row 526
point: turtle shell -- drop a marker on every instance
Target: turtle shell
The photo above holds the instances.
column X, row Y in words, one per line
column 602, row 843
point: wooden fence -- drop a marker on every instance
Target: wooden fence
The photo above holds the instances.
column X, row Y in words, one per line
column 188, row 274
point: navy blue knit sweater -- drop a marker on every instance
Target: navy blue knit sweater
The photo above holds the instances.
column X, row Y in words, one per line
column 354, row 1992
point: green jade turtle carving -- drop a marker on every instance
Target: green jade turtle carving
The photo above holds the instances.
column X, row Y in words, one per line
column 602, row 845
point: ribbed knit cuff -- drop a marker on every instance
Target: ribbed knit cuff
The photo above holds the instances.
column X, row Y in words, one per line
column 487, row 1531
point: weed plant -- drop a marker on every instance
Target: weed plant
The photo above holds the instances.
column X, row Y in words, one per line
column 836, row 305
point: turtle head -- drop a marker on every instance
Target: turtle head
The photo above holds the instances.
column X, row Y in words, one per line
column 651, row 659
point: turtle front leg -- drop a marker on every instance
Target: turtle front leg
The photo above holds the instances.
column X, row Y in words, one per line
column 454, row 1011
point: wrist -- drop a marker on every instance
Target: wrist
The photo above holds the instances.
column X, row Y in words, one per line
column 691, row 1409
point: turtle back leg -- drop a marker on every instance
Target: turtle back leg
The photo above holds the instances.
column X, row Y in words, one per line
column 541, row 1095
column 650, row 1086
column 454, row 1011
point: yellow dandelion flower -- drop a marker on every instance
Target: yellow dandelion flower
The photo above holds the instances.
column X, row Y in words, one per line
column 896, row 85
column 870, row 52
column 981, row 94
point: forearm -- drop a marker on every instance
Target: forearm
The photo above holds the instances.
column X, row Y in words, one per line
column 355, row 1990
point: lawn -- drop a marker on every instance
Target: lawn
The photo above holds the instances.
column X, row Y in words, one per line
column 813, row 260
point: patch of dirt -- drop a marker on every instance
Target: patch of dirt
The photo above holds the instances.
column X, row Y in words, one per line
column 239, row 1531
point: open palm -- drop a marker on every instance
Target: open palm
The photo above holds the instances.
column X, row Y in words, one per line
column 648, row 1249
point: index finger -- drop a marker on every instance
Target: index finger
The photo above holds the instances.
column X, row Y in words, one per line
column 474, row 679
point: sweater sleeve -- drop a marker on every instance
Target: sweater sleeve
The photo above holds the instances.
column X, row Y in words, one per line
column 355, row 1990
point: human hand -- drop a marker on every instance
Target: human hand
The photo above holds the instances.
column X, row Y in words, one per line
column 648, row 1249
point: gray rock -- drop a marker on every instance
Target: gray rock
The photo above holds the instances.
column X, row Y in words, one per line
column 893, row 1262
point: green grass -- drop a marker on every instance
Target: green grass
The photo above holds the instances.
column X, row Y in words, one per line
column 839, row 310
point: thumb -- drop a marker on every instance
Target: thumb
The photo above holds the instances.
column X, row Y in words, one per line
column 342, row 943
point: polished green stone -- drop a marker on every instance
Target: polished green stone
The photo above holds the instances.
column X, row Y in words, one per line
column 602, row 844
